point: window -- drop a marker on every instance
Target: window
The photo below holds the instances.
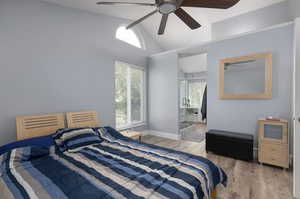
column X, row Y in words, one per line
column 129, row 95
column 191, row 93
column 196, row 90
column 128, row 36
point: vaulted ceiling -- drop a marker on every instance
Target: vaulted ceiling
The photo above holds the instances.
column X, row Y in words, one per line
column 177, row 34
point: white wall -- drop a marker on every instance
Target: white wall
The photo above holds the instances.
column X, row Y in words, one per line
column 297, row 108
column 57, row 59
column 255, row 20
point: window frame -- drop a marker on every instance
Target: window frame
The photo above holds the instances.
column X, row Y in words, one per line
column 143, row 98
column 137, row 33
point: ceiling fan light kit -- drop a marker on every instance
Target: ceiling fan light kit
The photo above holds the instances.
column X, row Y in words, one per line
column 166, row 7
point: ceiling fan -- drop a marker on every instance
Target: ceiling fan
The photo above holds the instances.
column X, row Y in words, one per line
column 166, row 7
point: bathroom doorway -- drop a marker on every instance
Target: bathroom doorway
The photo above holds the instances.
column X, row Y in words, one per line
column 193, row 97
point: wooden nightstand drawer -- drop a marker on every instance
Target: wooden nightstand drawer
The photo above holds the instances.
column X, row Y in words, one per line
column 267, row 148
column 274, row 154
column 274, row 159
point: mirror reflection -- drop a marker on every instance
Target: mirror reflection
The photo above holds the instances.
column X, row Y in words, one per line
column 245, row 77
column 248, row 77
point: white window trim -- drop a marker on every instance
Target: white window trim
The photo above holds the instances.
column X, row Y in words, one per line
column 143, row 98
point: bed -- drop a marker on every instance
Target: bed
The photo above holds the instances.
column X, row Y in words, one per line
column 109, row 166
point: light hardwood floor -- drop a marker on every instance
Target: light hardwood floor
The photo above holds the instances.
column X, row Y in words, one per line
column 197, row 135
column 246, row 180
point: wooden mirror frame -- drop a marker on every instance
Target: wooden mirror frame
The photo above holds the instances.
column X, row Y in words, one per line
column 268, row 77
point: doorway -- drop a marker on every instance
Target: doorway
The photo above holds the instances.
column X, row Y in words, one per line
column 193, row 97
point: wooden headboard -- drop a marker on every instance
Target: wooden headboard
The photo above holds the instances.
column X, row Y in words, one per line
column 82, row 119
column 38, row 125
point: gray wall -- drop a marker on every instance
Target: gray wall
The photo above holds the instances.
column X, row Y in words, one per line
column 56, row 59
column 231, row 115
column 163, row 101
column 241, row 115
column 255, row 20
column 294, row 7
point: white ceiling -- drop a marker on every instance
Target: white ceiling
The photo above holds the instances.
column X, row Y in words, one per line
column 177, row 34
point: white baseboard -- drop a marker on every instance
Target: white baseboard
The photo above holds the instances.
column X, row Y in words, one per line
column 172, row 136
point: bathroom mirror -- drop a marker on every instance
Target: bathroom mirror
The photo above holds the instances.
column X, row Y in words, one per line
column 248, row 77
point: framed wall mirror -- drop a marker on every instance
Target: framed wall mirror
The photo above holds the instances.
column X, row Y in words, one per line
column 248, row 77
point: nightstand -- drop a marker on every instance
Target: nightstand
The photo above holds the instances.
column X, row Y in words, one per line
column 273, row 142
column 133, row 135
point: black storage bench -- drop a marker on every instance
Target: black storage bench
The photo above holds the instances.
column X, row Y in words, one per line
column 231, row 144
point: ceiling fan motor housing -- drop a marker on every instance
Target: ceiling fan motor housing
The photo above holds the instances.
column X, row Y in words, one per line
column 167, row 6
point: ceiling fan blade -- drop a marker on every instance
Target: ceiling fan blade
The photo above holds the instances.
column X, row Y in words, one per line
column 222, row 4
column 124, row 3
column 141, row 19
column 163, row 24
column 187, row 19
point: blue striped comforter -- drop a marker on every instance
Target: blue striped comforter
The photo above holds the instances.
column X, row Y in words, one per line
column 118, row 167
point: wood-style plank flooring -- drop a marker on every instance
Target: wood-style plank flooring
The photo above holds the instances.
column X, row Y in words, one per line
column 246, row 180
column 198, row 135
